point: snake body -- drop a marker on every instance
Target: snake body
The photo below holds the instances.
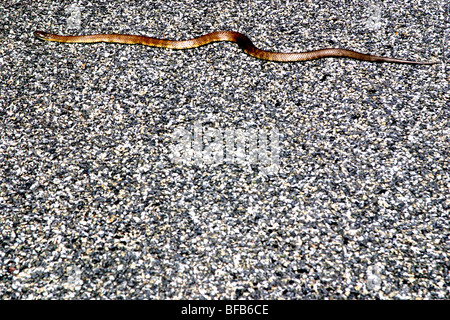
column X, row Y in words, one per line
column 243, row 41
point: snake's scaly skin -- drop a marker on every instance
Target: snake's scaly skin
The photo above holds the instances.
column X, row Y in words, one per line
column 243, row 41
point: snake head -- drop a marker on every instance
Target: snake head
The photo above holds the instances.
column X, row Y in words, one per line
column 41, row 35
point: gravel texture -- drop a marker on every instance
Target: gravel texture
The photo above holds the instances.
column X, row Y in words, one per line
column 95, row 205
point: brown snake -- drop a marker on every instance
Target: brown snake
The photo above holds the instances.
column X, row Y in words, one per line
column 243, row 41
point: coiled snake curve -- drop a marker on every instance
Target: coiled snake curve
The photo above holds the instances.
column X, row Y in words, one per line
column 243, row 41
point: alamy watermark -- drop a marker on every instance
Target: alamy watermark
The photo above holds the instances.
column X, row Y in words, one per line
column 373, row 273
column 74, row 19
column 204, row 145
column 373, row 21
